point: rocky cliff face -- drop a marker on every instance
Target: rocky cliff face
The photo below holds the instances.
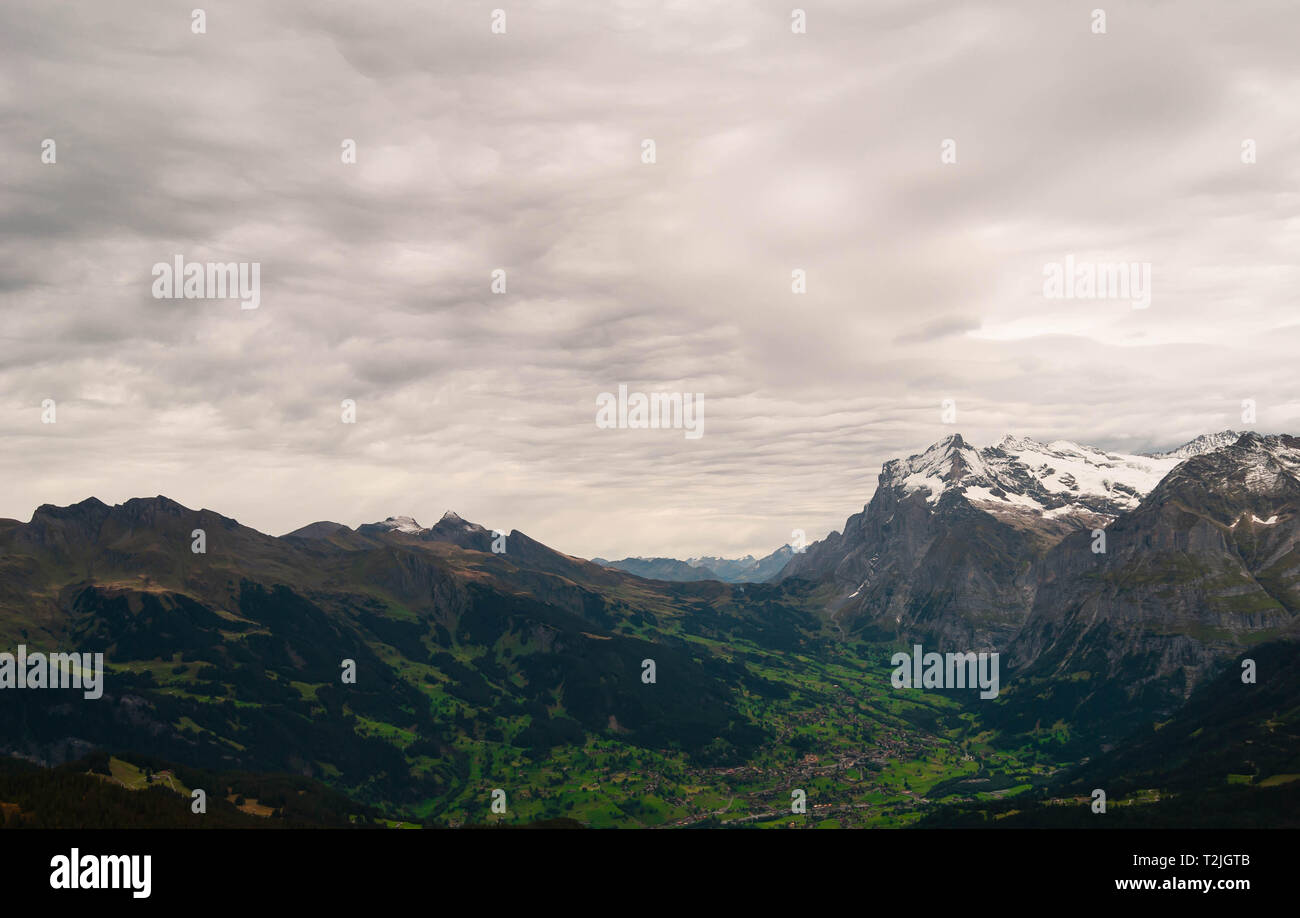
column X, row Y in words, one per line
column 946, row 574
column 948, row 550
column 1205, row 567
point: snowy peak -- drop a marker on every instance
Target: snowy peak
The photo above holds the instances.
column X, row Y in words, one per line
column 1021, row 476
column 400, row 524
column 944, row 464
column 1255, row 465
column 1061, row 480
column 452, row 521
column 1281, row 450
column 1203, row 444
column 451, row 529
column 1064, row 473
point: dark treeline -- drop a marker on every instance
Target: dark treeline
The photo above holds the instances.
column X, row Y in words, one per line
column 77, row 795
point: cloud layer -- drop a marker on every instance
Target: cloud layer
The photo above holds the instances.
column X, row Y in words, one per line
column 775, row 151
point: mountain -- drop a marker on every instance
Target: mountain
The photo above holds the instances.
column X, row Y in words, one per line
column 1229, row 727
column 1203, row 444
column 1229, row 756
column 747, row 569
column 451, row 528
column 946, row 549
column 1205, row 567
column 100, row 792
column 230, row 658
column 660, row 569
column 729, row 570
column 324, row 529
column 485, row 661
column 397, row 524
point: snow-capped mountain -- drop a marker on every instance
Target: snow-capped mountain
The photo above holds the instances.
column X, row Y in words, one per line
column 747, row 569
column 946, row 547
column 729, row 570
column 452, row 518
column 405, row 524
column 451, row 521
column 671, row 569
column 451, row 528
column 1207, row 565
column 1203, row 444
column 1028, row 483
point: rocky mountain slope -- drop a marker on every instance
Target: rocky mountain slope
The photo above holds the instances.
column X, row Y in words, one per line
column 231, row 657
column 947, row 548
column 1207, row 566
column 470, row 656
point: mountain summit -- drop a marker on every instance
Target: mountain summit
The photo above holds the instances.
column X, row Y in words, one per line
column 945, row 549
column 1207, row 566
column 1033, row 484
column 450, row 528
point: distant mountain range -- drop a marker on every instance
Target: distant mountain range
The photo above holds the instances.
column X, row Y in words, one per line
column 229, row 659
column 948, row 545
column 728, row 570
column 1114, row 586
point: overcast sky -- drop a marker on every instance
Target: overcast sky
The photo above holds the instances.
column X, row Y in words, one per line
column 775, row 151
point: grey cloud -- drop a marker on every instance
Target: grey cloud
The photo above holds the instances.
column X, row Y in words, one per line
column 775, row 152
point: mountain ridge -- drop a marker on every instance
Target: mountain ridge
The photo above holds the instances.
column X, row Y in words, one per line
column 948, row 547
column 228, row 658
column 728, row 570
